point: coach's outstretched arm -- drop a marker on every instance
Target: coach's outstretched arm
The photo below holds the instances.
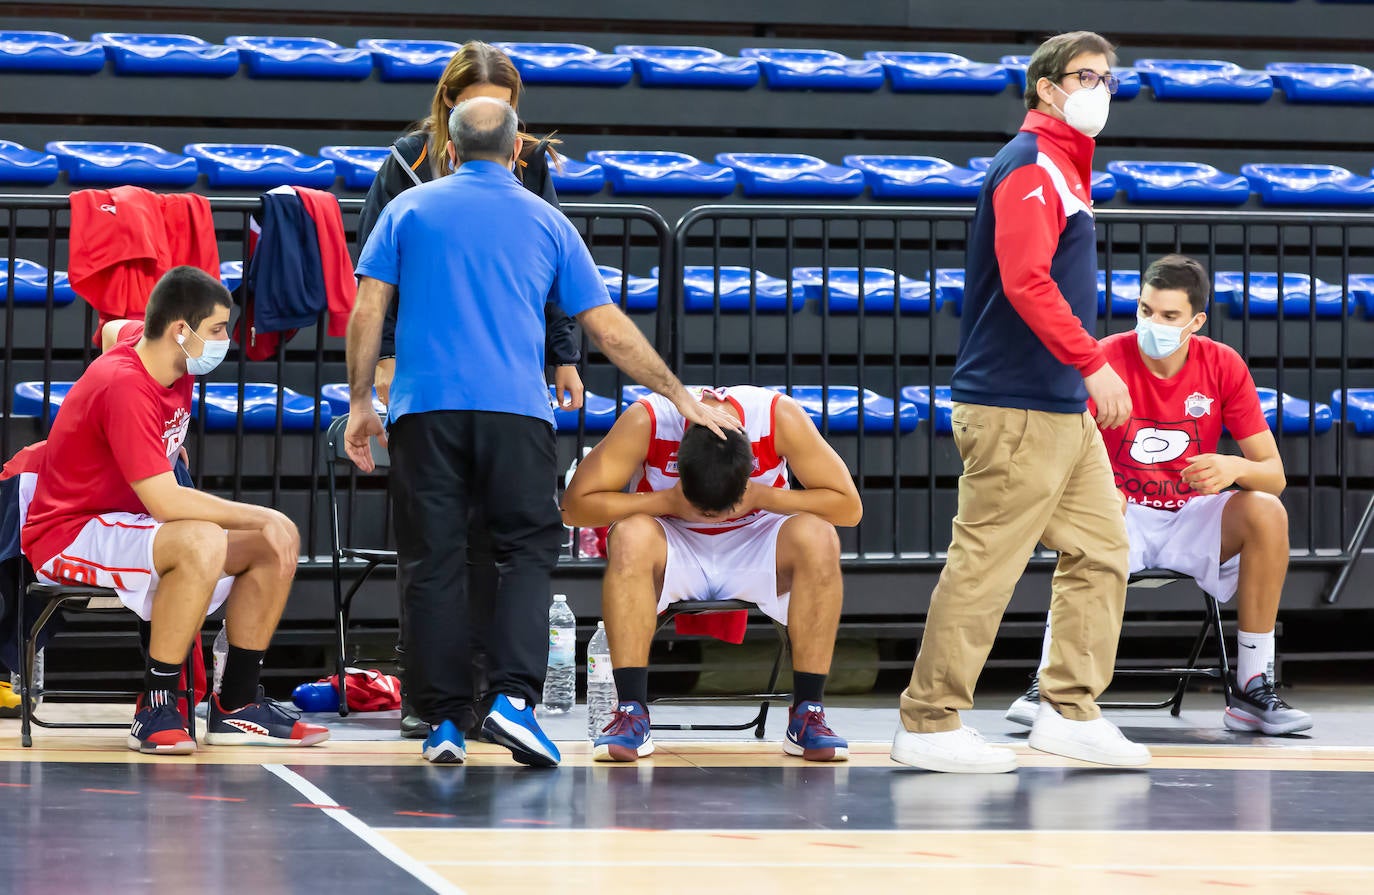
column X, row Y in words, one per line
column 621, row 341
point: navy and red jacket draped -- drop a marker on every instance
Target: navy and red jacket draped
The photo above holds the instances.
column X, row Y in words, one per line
column 1030, row 296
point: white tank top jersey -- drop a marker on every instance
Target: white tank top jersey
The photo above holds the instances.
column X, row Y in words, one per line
column 755, row 406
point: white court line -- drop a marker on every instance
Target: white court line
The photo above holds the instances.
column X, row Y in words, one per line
column 929, row 865
column 367, row 834
column 734, row 832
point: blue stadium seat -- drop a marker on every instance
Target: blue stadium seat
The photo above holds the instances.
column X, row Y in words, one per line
column 1309, row 185
column 600, row 411
column 939, row 73
column 19, row 164
column 1128, row 88
column 140, row 164
column 1323, row 82
column 409, row 60
column 879, row 289
column 1359, row 409
column 31, row 284
column 259, row 408
column 28, row 397
column 336, row 395
column 1125, row 291
column 1189, row 182
column 1296, row 413
column 815, row 70
column 663, row 173
column 167, row 54
column 357, row 164
column 301, row 57
column 791, row 174
column 840, row 405
column 260, row 165
column 231, row 275
column 944, row 405
column 690, row 67
column 555, row 63
column 1103, row 186
column 1361, row 287
column 48, row 51
column 1264, row 294
column 641, row 293
column 572, row 177
column 770, row 293
column 949, row 287
column 1204, row 79
column 916, row 177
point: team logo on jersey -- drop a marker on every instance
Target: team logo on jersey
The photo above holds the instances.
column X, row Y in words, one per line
column 1037, row 193
column 1197, row 405
column 174, row 431
column 1152, row 442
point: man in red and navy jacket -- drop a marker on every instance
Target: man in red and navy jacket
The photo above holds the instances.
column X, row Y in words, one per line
column 1035, row 469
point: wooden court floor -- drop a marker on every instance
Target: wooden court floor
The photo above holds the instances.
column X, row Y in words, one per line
column 84, row 814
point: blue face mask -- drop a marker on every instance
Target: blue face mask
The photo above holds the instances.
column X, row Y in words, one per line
column 210, row 356
column 1158, row 340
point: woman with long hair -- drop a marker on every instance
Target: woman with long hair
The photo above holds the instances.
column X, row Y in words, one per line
column 478, row 69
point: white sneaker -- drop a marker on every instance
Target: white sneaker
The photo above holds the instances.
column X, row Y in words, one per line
column 962, row 751
column 1098, row 741
column 1026, row 706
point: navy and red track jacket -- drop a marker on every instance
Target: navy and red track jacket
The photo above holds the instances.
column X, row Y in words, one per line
column 1030, row 298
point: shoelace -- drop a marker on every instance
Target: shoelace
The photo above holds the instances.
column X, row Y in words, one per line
column 1268, row 697
column 623, row 723
column 815, row 721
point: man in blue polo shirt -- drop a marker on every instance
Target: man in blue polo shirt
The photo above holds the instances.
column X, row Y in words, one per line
column 471, row 427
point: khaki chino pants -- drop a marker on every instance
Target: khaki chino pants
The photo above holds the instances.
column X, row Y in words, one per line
column 1029, row 476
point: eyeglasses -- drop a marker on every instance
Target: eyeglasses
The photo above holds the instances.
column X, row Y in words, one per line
column 1090, row 79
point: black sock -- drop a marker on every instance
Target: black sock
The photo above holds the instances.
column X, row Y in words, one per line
column 631, row 684
column 161, row 681
column 242, row 670
column 807, row 687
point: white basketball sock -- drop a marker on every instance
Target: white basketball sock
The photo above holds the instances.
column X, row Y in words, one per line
column 1255, row 655
column 1045, row 647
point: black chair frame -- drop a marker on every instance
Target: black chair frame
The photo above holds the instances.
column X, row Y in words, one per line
column 758, row 722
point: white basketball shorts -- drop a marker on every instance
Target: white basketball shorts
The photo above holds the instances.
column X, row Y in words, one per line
column 1187, row 540
column 739, row 564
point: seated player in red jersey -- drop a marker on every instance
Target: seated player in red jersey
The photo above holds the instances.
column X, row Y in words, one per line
column 107, row 511
column 706, row 518
column 1215, row 517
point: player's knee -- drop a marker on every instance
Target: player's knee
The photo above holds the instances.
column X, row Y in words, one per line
column 814, row 542
column 1266, row 518
column 193, row 547
column 635, row 543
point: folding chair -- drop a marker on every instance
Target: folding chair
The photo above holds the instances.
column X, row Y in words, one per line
column 704, row 607
column 1211, row 621
column 372, row 559
column 85, row 599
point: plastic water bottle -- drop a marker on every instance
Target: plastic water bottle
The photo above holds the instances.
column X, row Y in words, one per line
column 35, row 691
column 560, row 680
column 601, row 696
column 221, row 654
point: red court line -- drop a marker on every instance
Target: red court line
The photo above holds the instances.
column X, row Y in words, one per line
column 933, row 854
column 1033, row 864
column 216, row 799
column 422, row 814
column 835, row 844
column 631, row 829
column 713, row 835
column 15, row 785
column 1133, row 873
column 325, row 807
column 114, row 792
column 1222, row 882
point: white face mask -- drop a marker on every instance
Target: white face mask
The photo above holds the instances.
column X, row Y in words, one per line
column 210, row 356
column 1086, row 110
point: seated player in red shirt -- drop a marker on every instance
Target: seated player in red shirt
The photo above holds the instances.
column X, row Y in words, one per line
column 1175, row 488
column 708, row 518
column 107, row 511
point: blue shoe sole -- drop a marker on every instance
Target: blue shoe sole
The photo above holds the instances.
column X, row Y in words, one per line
column 520, row 751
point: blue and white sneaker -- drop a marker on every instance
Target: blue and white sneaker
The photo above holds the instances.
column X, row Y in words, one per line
column 627, row 737
column 512, row 724
column 160, row 730
column 445, row 744
column 809, row 737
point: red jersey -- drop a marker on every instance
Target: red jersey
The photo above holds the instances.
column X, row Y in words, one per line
column 117, row 425
column 1173, row 420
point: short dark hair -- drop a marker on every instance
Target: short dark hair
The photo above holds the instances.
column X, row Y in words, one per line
column 483, row 128
column 183, row 293
column 714, row 471
column 1050, row 58
column 1181, row 272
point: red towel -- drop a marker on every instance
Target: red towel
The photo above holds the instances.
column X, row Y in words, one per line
column 727, row 626
column 341, row 288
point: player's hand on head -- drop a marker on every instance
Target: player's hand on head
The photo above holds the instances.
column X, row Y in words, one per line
column 1111, row 396
column 363, row 425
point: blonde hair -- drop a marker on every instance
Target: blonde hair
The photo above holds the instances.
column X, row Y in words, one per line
column 476, row 63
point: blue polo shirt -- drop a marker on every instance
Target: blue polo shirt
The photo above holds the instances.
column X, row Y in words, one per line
column 477, row 256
